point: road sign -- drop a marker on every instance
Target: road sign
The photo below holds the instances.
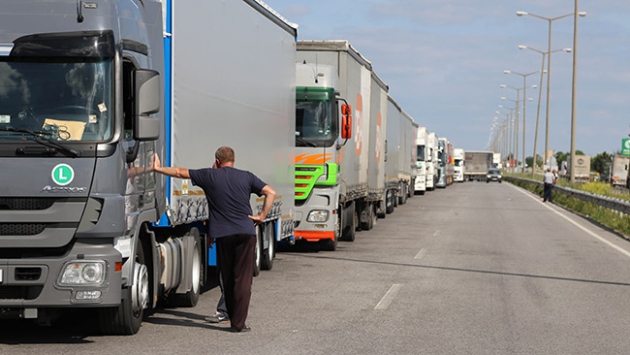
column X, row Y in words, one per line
column 625, row 147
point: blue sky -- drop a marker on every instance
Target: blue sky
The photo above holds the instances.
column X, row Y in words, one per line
column 444, row 61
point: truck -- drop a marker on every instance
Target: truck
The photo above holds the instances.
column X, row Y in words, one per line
column 477, row 163
column 443, row 163
column 458, row 164
column 582, row 167
column 420, row 185
column 433, row 173
column 400, row 161
column 85, row 221
column 496, row 161
column 334, row 119
column 619, row 170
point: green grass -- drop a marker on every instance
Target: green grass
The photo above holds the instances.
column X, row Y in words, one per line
column 614, row 220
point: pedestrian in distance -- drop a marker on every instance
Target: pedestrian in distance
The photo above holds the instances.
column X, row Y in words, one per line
column 548, row 181
column 231, row 223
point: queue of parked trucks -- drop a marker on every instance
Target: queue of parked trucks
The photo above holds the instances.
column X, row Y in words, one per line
column 92, row 91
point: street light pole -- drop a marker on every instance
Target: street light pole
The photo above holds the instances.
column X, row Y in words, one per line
column 517, row 123
column 542, row 73
column 550, row 21
column 574, row 90
column 524, row 106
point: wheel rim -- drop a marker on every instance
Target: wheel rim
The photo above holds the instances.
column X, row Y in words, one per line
column 140, row 289
column 196, row 270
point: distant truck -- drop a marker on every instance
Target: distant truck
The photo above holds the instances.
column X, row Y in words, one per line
column 432, row 161
column 496, row 161
column 477, row 164
column 619, row 170
column 582, row 167
column 400, row 156
column 443, row 163
column 420, row 185
column 458, row 163
column 91, row 91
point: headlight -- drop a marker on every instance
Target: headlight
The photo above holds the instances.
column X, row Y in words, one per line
column 84, row 273
column 317, row 216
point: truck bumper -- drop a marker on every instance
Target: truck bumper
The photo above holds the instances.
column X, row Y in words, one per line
column 321, row 202
column 31, row 284
column 420, row 183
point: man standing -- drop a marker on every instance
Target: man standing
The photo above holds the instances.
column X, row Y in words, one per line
column 232, row 224
column 548, row 181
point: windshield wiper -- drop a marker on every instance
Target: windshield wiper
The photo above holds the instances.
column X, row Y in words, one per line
column 43, row 140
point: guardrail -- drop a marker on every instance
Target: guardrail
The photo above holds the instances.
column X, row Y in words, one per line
column 606, row 202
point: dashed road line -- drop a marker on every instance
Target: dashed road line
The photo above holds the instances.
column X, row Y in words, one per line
column 389, row 297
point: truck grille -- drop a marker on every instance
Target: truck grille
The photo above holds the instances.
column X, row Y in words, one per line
column 28, row 273
column 25, row 204
column 20, row 292
column 21, row 228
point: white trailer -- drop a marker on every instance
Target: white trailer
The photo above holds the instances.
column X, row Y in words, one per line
column 619, row 170
column 420, row 184
column 459, row 167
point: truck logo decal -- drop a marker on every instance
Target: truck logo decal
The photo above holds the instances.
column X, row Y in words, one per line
column 62, row 174
column 358, row 116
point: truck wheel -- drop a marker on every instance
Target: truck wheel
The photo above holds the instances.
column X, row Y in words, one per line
column 351, row 230
column 258, row 252
column 127, row 317
column 269, row 253
column 191, row 297
column 369, row 212
column 390, row 197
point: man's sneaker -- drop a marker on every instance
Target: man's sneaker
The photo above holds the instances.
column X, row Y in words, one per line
column 218, row 318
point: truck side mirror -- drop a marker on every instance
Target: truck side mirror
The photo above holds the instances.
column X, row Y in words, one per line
column 346, row 121
column 146, row 85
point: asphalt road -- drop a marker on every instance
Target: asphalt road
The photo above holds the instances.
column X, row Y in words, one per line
column 474, row 268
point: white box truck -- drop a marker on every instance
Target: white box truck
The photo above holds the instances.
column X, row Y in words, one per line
column 420, row 185
column 619, row 170
column 84, row 221
column 432, row 161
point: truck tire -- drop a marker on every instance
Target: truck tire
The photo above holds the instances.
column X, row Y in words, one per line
column 191, row 297
column 258, row 252
column 127, row 317
column 351, row 230
column 390, row 196
column 269, row 254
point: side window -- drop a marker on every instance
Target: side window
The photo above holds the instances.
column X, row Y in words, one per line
column 128, row 68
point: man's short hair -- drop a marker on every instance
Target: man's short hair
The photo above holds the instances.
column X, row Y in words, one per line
column 224, row 154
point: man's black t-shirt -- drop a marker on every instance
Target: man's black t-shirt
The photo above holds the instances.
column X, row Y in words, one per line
column 228, row 191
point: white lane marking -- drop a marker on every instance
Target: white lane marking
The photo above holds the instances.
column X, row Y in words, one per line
column 436, row 233
column 619, row 249
column 389, row 297
column 420, row 253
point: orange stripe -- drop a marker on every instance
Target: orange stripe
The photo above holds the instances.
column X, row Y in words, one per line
column 312, row 159
column 314, row 236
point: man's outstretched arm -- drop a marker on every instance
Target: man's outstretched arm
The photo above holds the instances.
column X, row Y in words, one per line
column 181, row 173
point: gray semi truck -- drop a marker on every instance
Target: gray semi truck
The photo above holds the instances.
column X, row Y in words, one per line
column 90, row 91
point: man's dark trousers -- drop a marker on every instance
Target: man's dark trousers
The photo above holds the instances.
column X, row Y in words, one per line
column 235, row 256
column 547, row 193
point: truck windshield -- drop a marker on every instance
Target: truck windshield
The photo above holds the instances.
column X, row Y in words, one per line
column 314, row 123
column 420, row 153
column 67, row 98
column 315, row 119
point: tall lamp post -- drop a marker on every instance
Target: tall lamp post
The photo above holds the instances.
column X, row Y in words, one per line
column 550, row 21
column 516, row 124
column 525, row 99
column 542, row 73
column 574, row 88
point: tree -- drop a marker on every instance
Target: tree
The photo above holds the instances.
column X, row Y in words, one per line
column 529, row 161
column 601, row 163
